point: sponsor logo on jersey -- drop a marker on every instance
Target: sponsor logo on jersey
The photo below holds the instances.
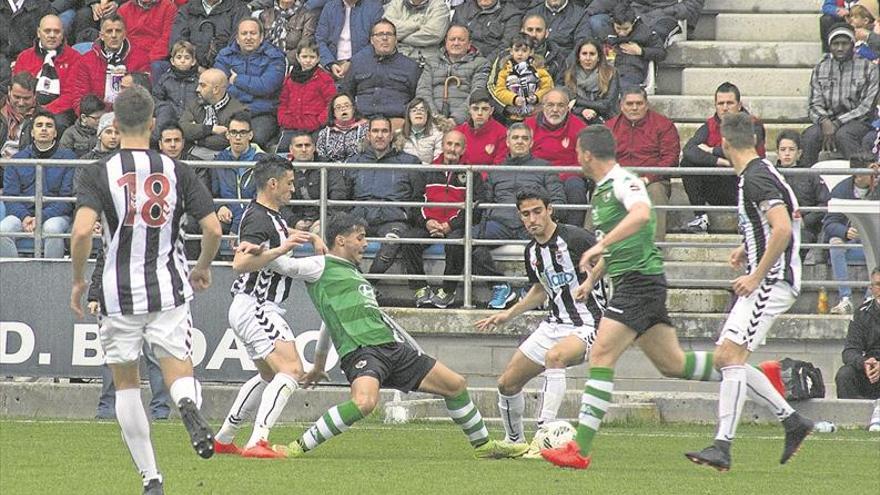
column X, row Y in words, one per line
column 557, row 280
column 368, row 292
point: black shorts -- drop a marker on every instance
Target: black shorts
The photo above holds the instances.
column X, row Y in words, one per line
column 395, row 365
column 639, row 301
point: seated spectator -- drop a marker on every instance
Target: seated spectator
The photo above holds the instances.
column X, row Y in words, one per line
column 441, row 186
column 554, row 135
column 235, row 183
column 486, row 138
column 810, row 190
column 149, row 24
column 554, row 57
column 82, row 136
column 5, row 74
column 107, row 138
column 381, row 79
column 338, row 45
column 53, row 63
column 646, row 138
column 209, row 25
column 518, row 81
column 663, row 15
column 451, row 76
column 255, row 69
column 833, row 12
column 593, row 83
column 703, row 149
column 567, row 23
column 504, row 223
column 19, row 20
column 307, row 184
column 205, row 121
column 870, row 35
column 111, row 57
column 843, row 90
column 421, row 26
column 17, row 114
column 87, row 21
column 381, row 185
column 861, row 18
column 341, row 138
column 859, row 377
column 21, row 181
column 839, row 231
column 421, row 137
column 173, row 145
column 305, row 96
column 287, row 23
column 634, row 45
column 490, row 23
column 176, row 88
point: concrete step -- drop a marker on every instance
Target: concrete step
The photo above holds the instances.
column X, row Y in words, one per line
column 772, row 130
column 744, row 54
column 697, row 108
column 759, row 6
column 751, row 81
column 738, row 26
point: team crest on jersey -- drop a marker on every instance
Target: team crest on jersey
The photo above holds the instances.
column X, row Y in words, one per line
column 462, row 177
column 360, row 364
column 490, row 148
column 565, row 142
column 368, row 292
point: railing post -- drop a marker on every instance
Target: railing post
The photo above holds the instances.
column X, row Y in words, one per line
column 322, row 208
column 38, row 211
column 468, row 222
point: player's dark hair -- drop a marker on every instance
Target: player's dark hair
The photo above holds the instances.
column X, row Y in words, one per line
column 343, row 224
column 728, row 87
column 862, row 160
column 598, row 140
column 133, row 109
column 791, row 135
column 270, row 167
column 532, row 192
column 243, row 116
column 739, row 130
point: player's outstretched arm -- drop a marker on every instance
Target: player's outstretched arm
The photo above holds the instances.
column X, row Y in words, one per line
column 780, row 236
column 317, row 372
column 583, row 291
column 80, row 247
column 200, row 276
column 531, row 300
column 250, row 257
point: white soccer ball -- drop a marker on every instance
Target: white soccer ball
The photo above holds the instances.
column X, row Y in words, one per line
column 554, row 434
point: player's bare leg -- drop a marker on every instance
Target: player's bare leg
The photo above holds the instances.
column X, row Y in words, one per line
column 186, row 392
column 612, row 340
column 132, row 419
column 511, row 403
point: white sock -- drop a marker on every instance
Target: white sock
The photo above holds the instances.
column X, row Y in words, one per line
column 136, row 431
column 271, row 404
column 511, row 408
column 186, row 387
column 243, row 408
column 763, row 392
column 731, row 401
column 554, row 392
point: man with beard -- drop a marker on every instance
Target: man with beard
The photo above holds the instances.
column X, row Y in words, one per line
column 205, row 121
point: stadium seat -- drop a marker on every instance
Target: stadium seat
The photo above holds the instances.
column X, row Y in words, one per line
column 832, row 180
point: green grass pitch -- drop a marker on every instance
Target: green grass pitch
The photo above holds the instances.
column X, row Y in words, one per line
column 432, row 458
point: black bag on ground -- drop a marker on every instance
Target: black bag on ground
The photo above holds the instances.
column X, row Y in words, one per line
column 801, row 379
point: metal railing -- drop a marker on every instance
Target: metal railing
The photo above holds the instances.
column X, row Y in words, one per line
column 325, row 204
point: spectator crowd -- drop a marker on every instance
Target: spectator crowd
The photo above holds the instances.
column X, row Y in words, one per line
column 406, row 81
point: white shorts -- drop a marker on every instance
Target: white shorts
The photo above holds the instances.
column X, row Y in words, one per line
column 258, row 326
column 752, row 316
column 549, row 334
column 123, row 336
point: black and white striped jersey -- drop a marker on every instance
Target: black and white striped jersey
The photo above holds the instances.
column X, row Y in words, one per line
column 141, row 196
column 760, row 188
column 264, row 226
column 555, row 266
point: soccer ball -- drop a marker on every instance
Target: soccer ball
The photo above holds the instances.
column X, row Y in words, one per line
column 554, row 434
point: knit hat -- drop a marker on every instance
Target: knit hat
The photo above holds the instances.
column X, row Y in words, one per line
column 841, row 30
column 105, row 122
column 478, row 96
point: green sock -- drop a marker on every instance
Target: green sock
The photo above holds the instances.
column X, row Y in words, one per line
column 335, row 421
column 698, row 365
column 468, row 417
column 594, row 404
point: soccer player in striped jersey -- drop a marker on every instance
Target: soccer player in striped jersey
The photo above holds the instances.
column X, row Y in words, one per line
column 564, row 338
column 374, row 351
column 140, row 197
column 256, row 316
column 769, row 222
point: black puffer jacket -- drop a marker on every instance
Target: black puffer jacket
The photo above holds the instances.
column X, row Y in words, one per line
column 19, row 30
column 491, row 27
column 209, row 33
column 634, row 68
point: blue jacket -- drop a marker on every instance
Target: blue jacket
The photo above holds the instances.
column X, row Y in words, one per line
column 836, row 224
column 260, row 75
column 374, row 185
column 363, row 15
column 381, row 85
column 235, row 183
column 57, row 181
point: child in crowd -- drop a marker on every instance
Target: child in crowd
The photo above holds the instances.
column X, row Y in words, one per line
column 305, row 96
column 519, row 81
column 81, row 137
column 861, row 18
column 176, row 87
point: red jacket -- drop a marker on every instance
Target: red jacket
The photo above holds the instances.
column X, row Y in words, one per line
column 65, row 66
column 557, row 146
column 149, row 30
column 303, row 106
column 484, row 146
column 91, row 73
column 650, row 142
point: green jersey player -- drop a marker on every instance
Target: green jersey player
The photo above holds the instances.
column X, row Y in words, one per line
column 374, row 351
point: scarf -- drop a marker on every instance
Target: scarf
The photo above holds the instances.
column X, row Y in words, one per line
column 14, row 118
column 48, row 84
column 47, row 153
column 183, row 74
column 115, row 69
column 345, row 125
column 277, row 32
column 211, row 111
column 300, row 76
column 15, row 5
column 587, row 83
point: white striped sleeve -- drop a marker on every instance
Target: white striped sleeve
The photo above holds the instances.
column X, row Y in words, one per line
column 308, row 269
